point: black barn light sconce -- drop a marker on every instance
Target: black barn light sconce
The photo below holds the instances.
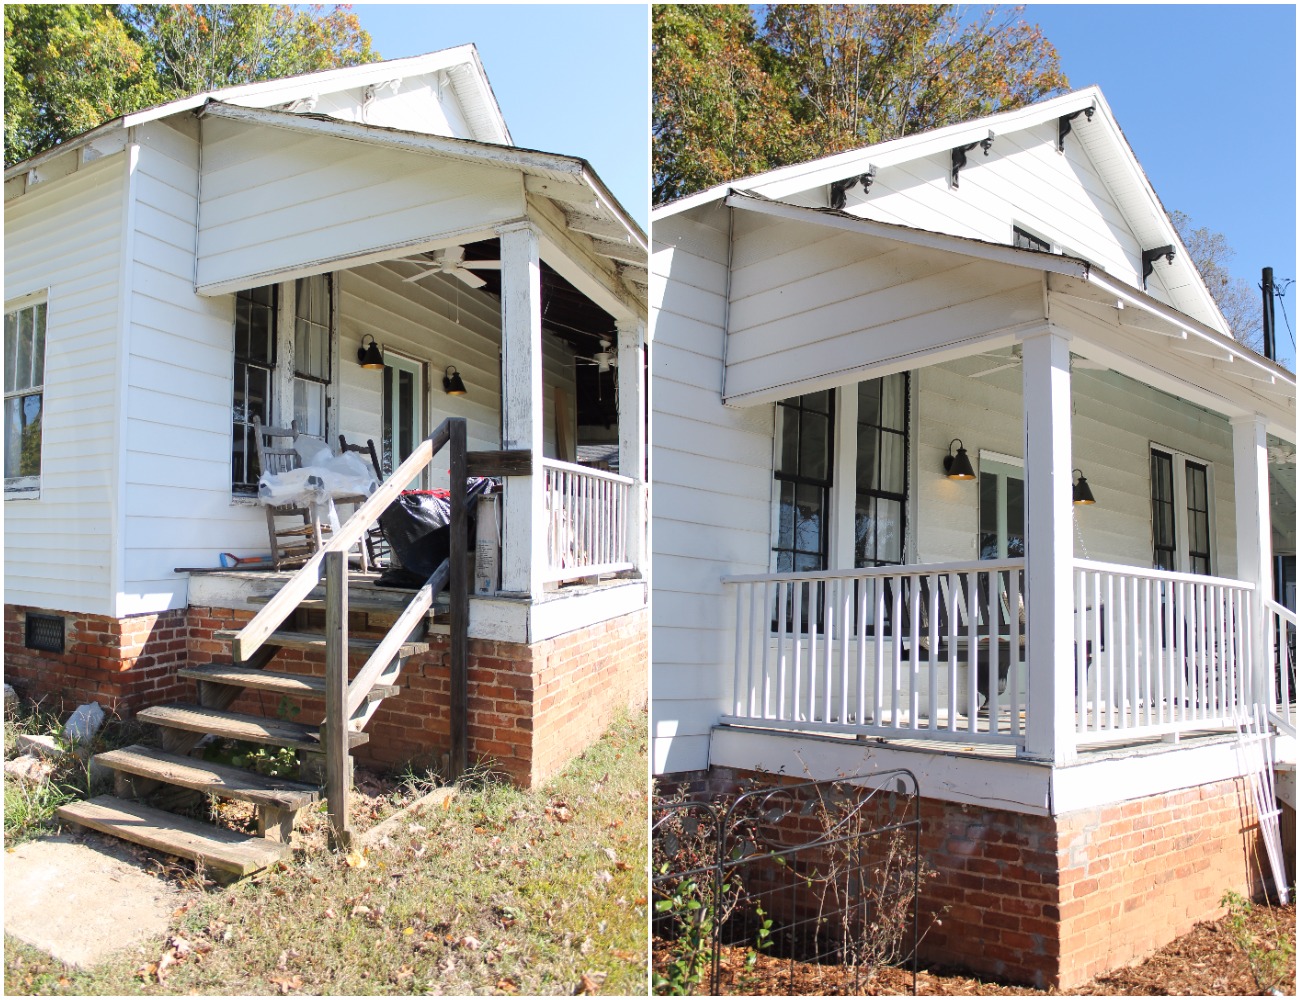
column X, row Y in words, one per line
column 452, row 383
column 370, row 357
column 1082, row 492
column 957, row 466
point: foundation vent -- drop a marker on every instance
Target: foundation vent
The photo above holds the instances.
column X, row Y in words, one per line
column 45, row 632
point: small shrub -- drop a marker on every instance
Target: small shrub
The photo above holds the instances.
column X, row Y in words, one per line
column 1271, row 959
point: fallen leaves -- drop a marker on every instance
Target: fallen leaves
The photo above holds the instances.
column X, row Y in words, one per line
column 590, row 983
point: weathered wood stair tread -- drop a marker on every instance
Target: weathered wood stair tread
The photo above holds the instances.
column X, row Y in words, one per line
column 314, row 640
column 237, row 675
column 367, row 600
column 173, row 834
column 211, row 779
column 231, row 725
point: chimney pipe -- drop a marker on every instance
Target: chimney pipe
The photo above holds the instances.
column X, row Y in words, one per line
column 1270, row 347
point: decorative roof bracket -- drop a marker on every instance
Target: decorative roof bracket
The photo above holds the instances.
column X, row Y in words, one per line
column 959, row 155
column 1149, row 258
column 840, row 189
column 1063, row 124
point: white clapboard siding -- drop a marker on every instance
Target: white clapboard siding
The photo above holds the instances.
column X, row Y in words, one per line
column 438, row 321
column 65, row 237
column 1023, row 182
column 712, row 468
column 1115, row 421
column 319, row 198
column 178, row 508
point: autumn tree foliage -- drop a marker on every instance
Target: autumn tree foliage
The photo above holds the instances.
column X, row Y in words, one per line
column 71, row 67
column 734, row 94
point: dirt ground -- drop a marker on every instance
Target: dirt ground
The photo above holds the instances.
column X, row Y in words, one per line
column 1205, row 962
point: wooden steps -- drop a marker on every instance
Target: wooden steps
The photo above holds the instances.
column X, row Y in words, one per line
column 211, row 779
column 236, row 675
column 232, row 725
column 316, row 641
column 173, row 834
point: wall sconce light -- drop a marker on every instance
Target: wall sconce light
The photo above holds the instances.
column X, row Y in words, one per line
column 1082, row 492
column 452, row 383
column 957, row 466
column 370, row 357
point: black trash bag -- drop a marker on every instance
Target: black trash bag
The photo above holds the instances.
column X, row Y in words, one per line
column 417, row 526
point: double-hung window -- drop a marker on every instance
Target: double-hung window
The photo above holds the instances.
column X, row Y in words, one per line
column 803, row 475
column 880, row 508
column 24, row 398
column 311, row 354
column 1181, row 520
column 256, row 313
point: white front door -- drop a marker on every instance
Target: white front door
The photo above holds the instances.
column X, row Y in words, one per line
column 403, row 411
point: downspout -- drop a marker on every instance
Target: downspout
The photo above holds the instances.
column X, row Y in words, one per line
column 726, row 299
column 122, row 373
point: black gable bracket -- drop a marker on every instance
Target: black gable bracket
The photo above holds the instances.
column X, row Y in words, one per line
column 1063, row 125
column 1149, row 258
column 840, row 189
column 959, row 155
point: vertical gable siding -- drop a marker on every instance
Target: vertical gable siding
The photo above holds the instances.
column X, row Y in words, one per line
column 67, row 237
column 178, row 507
column 1023, row 181
column 712, row 470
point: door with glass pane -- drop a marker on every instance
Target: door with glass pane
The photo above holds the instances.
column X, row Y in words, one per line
column 1002, row 508
column 403, row 423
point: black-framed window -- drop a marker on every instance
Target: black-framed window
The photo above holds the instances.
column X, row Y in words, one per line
column 1198, row 517
column 880, row 509
column 312, row 342
column 1164, row 527
column 256, row 310
column 24, row 398
column 804, row 474
column 1028, row 241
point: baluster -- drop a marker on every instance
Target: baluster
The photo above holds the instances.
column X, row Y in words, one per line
column 953, row 602
column 1080, row 649
column 994, row 618
column 796, row 630
column 782, row 648
column 973, row 648
column 933, row 613
column 813, row 611
column 830, row 593
column 1095, row 692
column 863, row 583
column 896, row 649
column 1013, row 680
column 763, row 625
column 740, row 614
column 914, row 651
column 878, row 693
column 846, row 634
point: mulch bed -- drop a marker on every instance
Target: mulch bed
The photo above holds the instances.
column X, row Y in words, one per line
column 1204, row 962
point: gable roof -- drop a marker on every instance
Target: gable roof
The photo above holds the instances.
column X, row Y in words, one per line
column 461, row 63
column 1101, row 138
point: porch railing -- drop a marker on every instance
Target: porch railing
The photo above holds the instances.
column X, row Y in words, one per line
column 586, row 521
column 1279, row 636
column 930, row 651
column 1159, row 653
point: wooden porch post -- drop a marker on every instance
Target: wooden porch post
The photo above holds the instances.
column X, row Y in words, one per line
column 632, row 433
column 524, row 545
column 1254, row 533
column 1049, row 554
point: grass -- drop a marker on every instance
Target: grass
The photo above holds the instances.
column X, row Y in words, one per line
column 500, row 891
column 29, row 807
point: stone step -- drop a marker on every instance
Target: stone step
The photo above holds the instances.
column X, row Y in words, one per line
column 316, row 641
column 211, row 779
column 265, row 680
column 232, row 725
column 173, row 834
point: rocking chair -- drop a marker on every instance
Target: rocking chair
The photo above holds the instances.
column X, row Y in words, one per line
column 374, row 544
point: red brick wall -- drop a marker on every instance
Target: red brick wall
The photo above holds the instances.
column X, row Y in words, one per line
column 122, row 663
column 1056, row 901
column 532, row 708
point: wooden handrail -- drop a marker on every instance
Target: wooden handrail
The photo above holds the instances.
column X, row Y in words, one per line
column 276, row 610
column 397, row 635
column 1281, row 610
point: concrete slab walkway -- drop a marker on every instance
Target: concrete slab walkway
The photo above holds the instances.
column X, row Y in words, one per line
column 80, row 900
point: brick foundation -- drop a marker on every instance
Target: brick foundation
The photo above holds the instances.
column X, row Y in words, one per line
column 532, row 707
column 1056, row 901
column 124, row 664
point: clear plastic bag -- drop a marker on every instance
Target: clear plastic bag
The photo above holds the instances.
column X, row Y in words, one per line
column 323, row 478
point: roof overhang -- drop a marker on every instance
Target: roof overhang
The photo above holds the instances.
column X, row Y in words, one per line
column 1131, row 329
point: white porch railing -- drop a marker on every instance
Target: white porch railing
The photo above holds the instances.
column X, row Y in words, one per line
column 886, row 651
column 1159, row 653
column 586, row 521
column 1279, row 636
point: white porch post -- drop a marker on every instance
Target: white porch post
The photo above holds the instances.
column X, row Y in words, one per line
column 1049, row 552
column 632, row 432
column 1254, row 532
column 524, row 545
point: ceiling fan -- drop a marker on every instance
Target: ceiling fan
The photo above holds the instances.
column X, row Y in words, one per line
column 1013, row 359
column 604, row 359
column 452, row 261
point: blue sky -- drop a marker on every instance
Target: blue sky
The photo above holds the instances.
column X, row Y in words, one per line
column 570, row 78
column 1206, row 96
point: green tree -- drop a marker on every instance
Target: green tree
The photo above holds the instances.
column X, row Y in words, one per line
column 198, row 47
column 68, row 68
column 71, row 67
column 1237, row 299
column 733, row 96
